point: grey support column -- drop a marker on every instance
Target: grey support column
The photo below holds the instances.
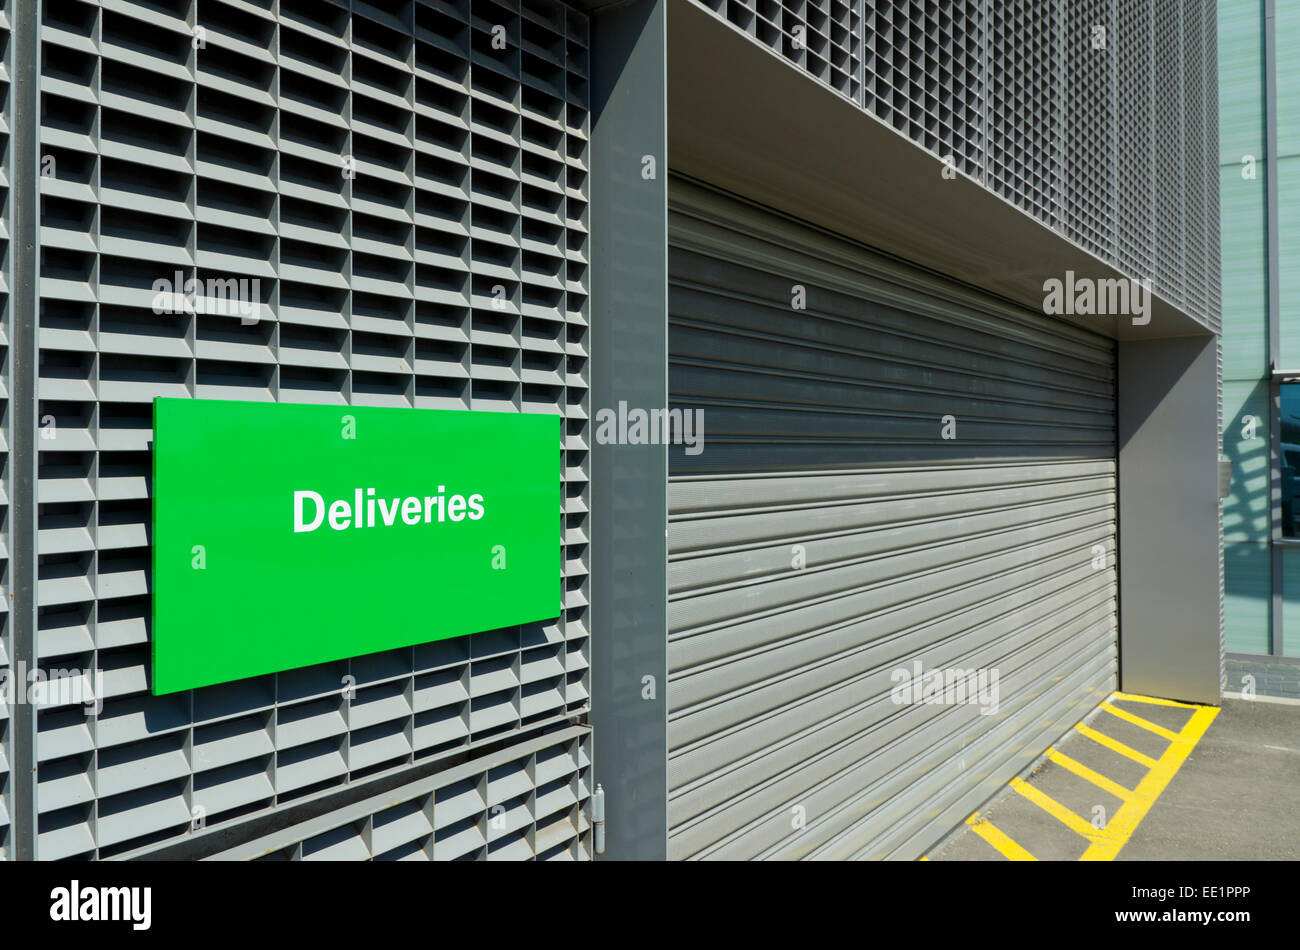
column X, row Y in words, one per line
column 629, row 339
column 1168, row 519
column 25, row 89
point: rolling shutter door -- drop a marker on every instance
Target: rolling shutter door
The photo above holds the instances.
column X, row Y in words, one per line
column 412, row 201
column 827, row 535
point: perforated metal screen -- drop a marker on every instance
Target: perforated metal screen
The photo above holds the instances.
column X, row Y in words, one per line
column 407, row 184
column 1050, row 103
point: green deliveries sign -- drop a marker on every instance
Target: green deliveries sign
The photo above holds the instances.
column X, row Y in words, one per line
column 287, row 535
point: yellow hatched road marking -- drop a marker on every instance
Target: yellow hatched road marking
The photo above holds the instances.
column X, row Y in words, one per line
column 1115, row 745
column 1152, row 701
column 996, row 837
column 1065, row 816
column 1096, row 778
column 1140, row 722
column 1125, row 821
column 1106, row 843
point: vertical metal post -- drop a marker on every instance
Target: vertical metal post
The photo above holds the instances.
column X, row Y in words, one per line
column 1276, row 552
column 25, row 89
column 629, row 358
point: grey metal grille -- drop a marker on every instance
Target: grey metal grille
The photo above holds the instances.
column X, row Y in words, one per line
column 1025, row 123
column 1168, row 224
column 1209, row 140
column 212, row 137
column 522, row 803
column 925, row 75
column 824, row 37
column 1016, row 94
column 1135, row 107
column 1088, row 199
column 6, row 328
column 1197, row 154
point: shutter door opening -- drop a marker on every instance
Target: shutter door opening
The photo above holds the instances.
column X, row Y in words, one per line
column 829, row 535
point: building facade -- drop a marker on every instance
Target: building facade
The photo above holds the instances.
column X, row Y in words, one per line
column 930, row 293
column 1261, row 347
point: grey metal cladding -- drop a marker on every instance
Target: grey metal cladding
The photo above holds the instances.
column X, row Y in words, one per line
column 1195, row 156
column 828, row 534
column 6, row 536
column 1135, row 114
column 537, row 787
column 1106, row 138
column 1210, row 143
column 1218, row 370
column 823, row 37
column 381, row 169
column 1025, row 108
column 1210, row 12
column 1168, row 224
column 1089, row 200
column 930, row 83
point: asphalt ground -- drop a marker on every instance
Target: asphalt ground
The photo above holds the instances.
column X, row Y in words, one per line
column 1148, row 779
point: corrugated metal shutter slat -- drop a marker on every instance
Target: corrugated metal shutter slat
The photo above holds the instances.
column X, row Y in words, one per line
column 828, row 535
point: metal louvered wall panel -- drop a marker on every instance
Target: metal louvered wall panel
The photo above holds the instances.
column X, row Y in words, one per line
column 925, row 74
column 1215, row 274
column 823, row 442
column 1135, row 113
column 1025, row 123
column 1170, row 275
column 1088, row 211
column 1031, row 100
column 412, row 200
column 1196, row 157
column 6, row 334
column 523, row 802
column 823, row 37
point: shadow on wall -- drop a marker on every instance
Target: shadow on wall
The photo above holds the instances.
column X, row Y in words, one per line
column 776, row 375
column 1246, row 522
